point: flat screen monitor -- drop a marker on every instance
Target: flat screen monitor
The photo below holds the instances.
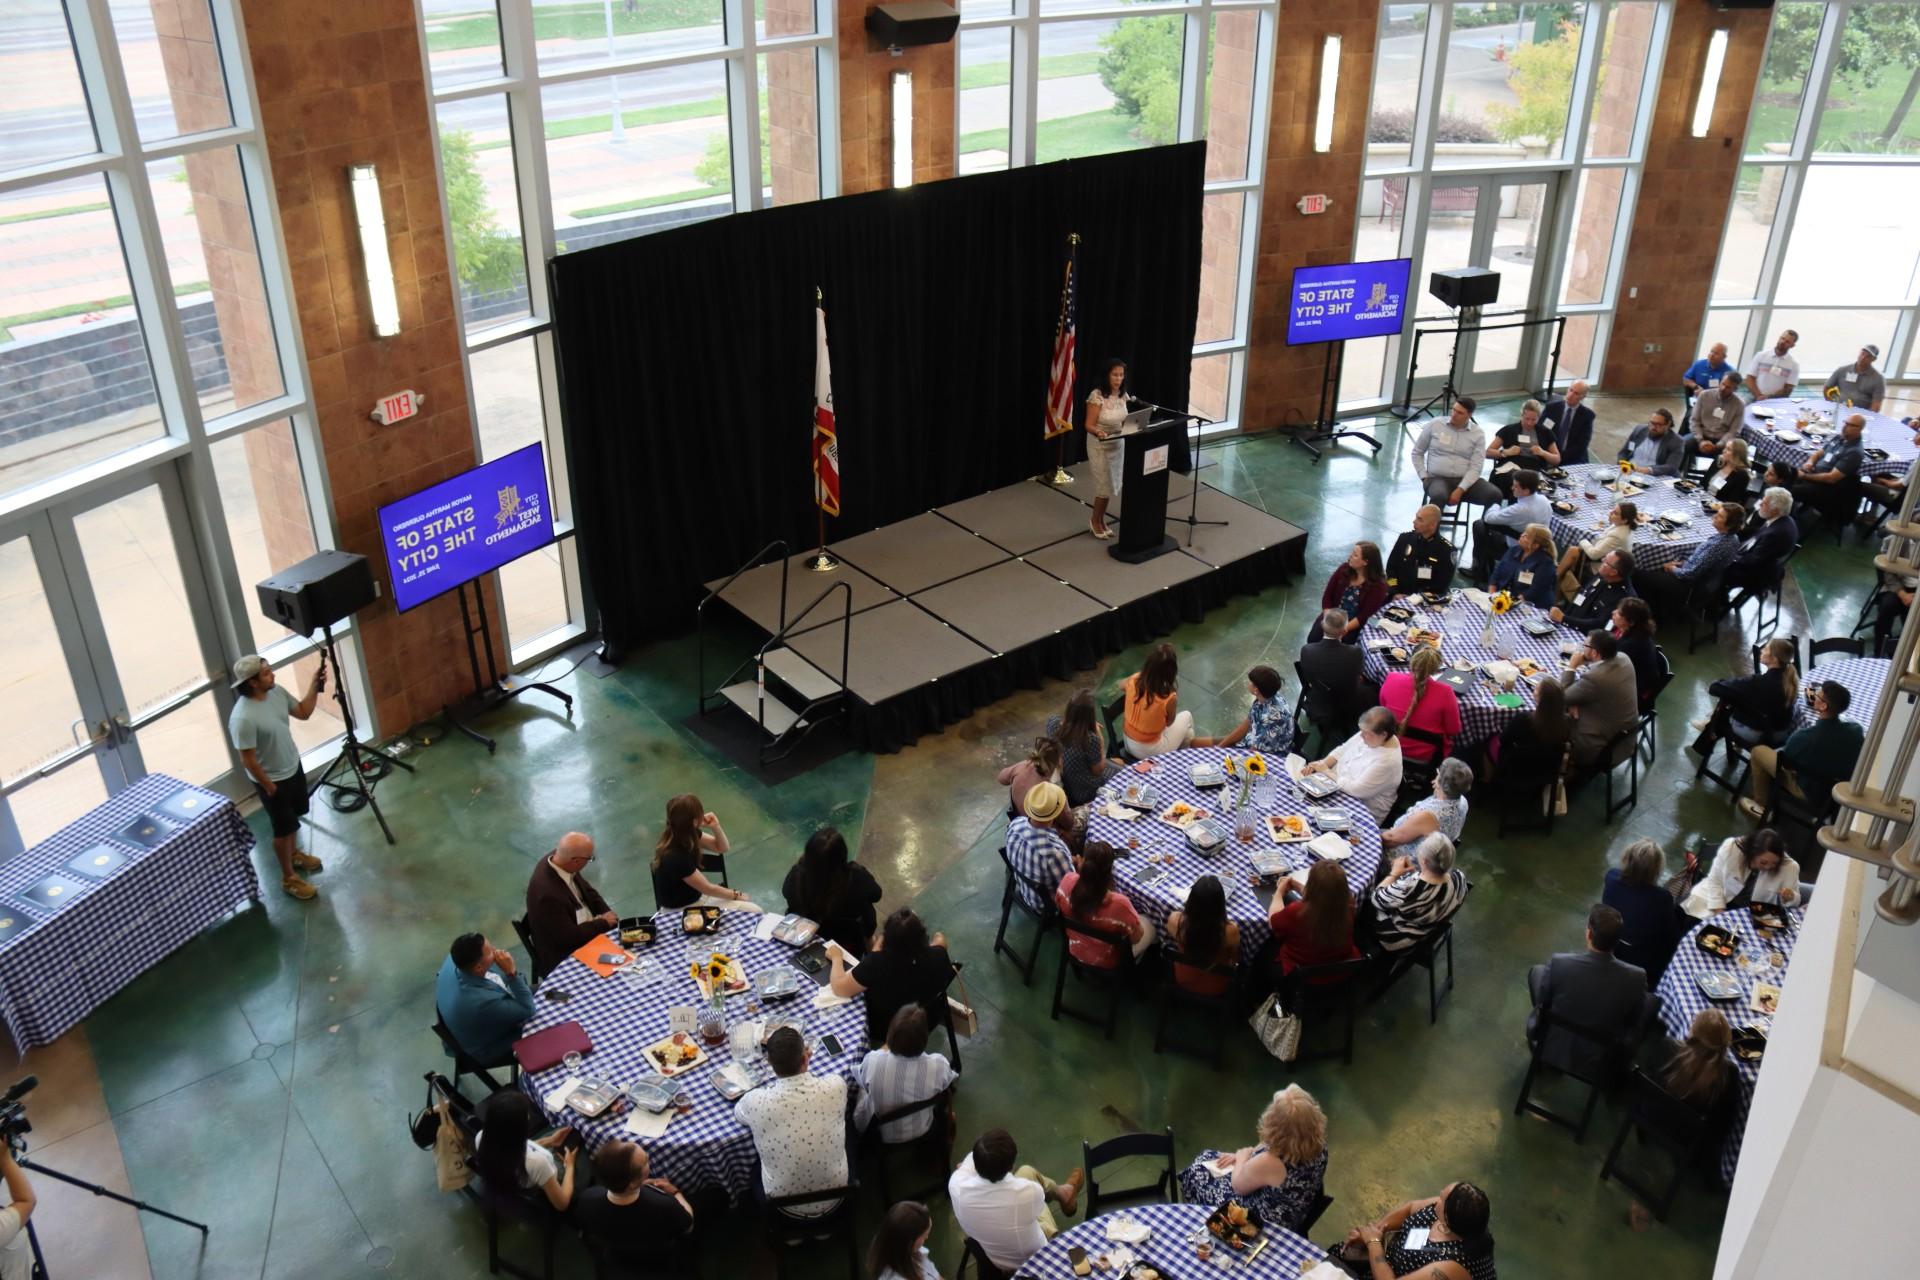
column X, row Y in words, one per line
column 1347, row 301
column 450, row 533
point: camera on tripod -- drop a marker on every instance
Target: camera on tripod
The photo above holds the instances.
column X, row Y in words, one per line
column 14, row 1125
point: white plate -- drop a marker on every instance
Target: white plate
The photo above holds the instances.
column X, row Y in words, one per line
column 1787, row 436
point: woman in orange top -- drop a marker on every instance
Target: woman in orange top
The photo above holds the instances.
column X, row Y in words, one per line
column 1153, row 726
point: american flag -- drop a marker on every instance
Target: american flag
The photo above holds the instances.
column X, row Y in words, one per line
column 826, row 442
column 1060, row 379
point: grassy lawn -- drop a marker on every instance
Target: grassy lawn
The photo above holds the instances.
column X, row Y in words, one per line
column 634, row 119
column 647, row 202
column 586, row 21
column 1092, row 134
column 985, row 75
column 61, row 212
column 1851, row 124
column 82, row 308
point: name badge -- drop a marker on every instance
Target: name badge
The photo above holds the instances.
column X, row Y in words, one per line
column 1526, row 579
column 581, row 915
column 1523, row 439
column 1547, row 422
column 1852, row 376
column 1580, row 599
column 1424, row 572
column 1719, row 413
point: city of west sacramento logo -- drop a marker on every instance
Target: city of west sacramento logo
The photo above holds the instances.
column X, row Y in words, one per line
column 509, row 506
column 1379, row 295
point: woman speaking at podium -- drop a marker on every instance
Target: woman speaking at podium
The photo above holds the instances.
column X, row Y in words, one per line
column 1106, row 410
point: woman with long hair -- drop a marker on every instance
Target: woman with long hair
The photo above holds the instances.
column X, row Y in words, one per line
column 507, row 1157
column 1205, row 939
column 1732, row 476
column 691, row 838
column 833, row 891
column 1357, row 587
column 1083, row 748
column 1532, row 744
column 1087, row 897
column 1580, row 558
column 899, row 1248
column 1445, row 1238
column 1106, row 413
column 1746, row 869
column 1753, row 709
column 905, row 967
column 1633, row 626
column 1280, row 1178
column 1154, row 726
column 1041, row 765
column 1311, row 926
column 1698, row 1069
column 1418, row 701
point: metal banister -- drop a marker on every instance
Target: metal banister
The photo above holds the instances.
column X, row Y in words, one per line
column 846, row 638
column 700, row 612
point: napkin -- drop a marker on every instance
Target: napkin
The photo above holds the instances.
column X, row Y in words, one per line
column 558, row 1098
column 1391, row 627
column 1324, row 1270
column 646, row 1124
column 1119, row 813
column 1295, row 763
column 1127, row 1230
column 768, row 923
column 825, row 998
column 1330, row 845
column 1503, row 672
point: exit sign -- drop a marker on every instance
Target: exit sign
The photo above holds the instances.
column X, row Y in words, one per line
column 1312, row 204
column 398, row 407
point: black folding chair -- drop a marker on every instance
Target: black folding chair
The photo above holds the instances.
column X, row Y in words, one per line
column 1110, row 716
column 1321, row 1203
column 1318, row 991
column 784, row 1232
column 1765, row 597
column 1818, row 649
column 465, row 1064
column 931, row 1154
column 1650, row 707
column 534, row 962
column 1425, row 954
column 1044, row 919
column 1117, row 980
column 972, row 1255
column 1663, row 1121
column 1416, row 776
column 1706, row 605
column 1164, row 1189
column 1218, row 1011
column 1622, row 748
column 1614, row 1051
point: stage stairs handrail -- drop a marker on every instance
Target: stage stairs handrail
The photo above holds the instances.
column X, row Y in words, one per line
column 700, row 617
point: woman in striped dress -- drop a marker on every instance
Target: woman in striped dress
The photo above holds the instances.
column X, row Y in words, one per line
column 1419, row 894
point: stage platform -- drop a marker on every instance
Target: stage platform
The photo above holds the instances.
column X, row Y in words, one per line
column 958, row 606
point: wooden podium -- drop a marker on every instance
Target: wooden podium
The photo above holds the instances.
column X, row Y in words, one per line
column 1143, row 492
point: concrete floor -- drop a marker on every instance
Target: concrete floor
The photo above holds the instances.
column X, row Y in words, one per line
column 260, row 1078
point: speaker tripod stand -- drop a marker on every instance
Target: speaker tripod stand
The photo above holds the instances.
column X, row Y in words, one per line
column 363, row 765
column 40, row 1270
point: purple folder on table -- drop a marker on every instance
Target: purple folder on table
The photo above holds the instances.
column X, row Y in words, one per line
column 542, row 1049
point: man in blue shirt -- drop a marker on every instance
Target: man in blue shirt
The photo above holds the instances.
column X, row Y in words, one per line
column 1500, row 528
column 1706, row 372
column 1829, row 481
column 484, row 1011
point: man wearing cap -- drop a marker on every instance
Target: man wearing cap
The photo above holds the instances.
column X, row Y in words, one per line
column 1037, row 847
column 262, row 733
column 1859, row 383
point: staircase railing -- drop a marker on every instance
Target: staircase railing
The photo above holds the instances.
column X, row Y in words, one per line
column 700, row 613
column 780, row 636
column 1875, row 822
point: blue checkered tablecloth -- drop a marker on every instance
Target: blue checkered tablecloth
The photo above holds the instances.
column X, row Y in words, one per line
column 1681, row 998
column 707, row 1146
column 1862, row 677
column 1167, row 1251
column 1882, row 432
column 1172, row 780
column 1653, row 545
column 1461, row 625
column 65, row 964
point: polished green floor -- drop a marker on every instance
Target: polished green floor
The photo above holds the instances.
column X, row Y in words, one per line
column 260, row 1078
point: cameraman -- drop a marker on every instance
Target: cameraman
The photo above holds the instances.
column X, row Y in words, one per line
column 16, row 1255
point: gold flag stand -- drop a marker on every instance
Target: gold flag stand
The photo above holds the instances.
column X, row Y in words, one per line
column 822, row 562
column 1061, row 476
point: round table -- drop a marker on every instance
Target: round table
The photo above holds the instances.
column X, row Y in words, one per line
column 1681, row 998
column 1461, row 625
column 1168, row 848
column 1862, row 678
column 1653, row 544
column 707, row 1146
column 1887, row 435
column 1284, row 1256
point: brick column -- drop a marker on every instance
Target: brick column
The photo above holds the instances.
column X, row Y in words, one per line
column 342, row 84
column 793, row 113
column 1283, row 383
column 1685, row 190
column 866, row 105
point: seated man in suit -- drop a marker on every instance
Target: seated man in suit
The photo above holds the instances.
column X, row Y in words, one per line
column 483, row 1010
column 563, row 911
column 1332, row 674
column 1591, row 988
column 1422, row 560
column 1603, row 695
column 1571, row 418
column 630, row 1220
column 1592, row 606
column 1769, row 538
column 1655, row 448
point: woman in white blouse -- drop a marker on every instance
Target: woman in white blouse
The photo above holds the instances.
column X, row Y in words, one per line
column 899, row 1250
column 1747, row 869
column 1106, row 411
column 1367, row 766
column 1582, row 556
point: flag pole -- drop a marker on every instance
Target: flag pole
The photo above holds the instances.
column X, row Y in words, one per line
column 821, row 561
column 1061, row 476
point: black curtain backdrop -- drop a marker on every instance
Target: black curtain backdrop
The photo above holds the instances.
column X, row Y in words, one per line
column 686, row 359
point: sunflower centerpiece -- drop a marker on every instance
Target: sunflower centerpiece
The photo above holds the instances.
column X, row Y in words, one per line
column 1498, row 603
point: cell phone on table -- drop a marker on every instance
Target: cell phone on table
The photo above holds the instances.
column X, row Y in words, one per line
column 831, row 1043
column 556, row 995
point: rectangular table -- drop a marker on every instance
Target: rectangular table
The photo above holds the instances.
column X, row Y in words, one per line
column 57, row 966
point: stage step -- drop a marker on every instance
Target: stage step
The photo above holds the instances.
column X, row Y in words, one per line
column 800, row 675
column 780, row 717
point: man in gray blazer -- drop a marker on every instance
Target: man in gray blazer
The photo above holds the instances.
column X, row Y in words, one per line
column 1601, row 695
column 1595, row 990
column 1336, row 666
